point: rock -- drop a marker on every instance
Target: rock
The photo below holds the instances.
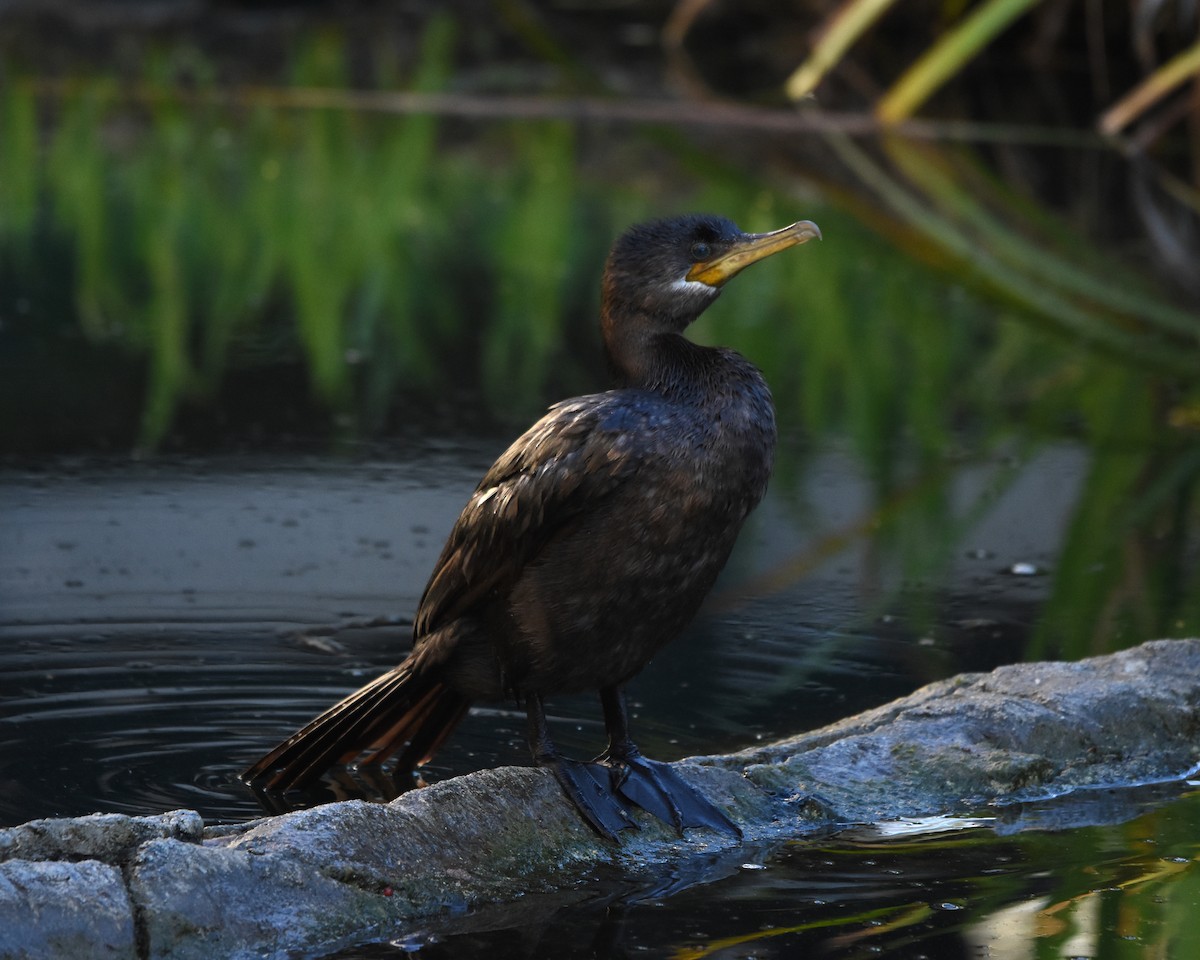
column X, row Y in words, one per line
column 58, row 910
column 309, row 878
column 1021, row 732
column 316, row 879
column 200, row 901
column 107, row 837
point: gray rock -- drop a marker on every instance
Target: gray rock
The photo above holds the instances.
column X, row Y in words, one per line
column 107, row 837
column 1021, row 732
column 203, row 901
column 310, row 878
column 59, row 910
column 313, row 879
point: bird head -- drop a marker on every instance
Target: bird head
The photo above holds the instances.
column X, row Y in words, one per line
column 666, row 272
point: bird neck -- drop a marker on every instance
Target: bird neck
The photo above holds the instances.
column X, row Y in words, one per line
column 655, row 359
column 643, row 326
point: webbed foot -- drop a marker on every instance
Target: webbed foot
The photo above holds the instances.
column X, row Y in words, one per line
column 590, row 787
column 654, row 786
column 621, row 777
column 658, row 789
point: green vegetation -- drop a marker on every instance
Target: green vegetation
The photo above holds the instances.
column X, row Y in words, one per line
column 960, row 33
column 183, row 238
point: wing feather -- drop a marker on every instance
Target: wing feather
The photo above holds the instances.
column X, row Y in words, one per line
column 578, row 454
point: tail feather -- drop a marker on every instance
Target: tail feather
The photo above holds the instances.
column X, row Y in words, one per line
column 401, row 707
column 386, row 742
column 433, row 733
column 336, row 736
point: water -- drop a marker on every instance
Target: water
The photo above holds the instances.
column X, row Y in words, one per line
column 1130, row 889
column 992, row 353
column 164, row 623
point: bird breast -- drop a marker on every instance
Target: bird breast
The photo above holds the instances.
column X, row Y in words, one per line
column 627, row 574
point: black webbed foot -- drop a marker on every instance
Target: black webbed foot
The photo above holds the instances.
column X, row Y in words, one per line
column 621, row 777
column 587, row 785
column 659, row 790
column 654, row 786
column 590, row 787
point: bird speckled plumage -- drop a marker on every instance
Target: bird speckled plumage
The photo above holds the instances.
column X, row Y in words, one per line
column 594, row 538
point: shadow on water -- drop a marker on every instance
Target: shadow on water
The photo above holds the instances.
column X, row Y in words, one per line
column 317, row 291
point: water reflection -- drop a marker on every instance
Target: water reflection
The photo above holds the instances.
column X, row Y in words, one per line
column 993, row 358
column 166, row 621
column 247, row 273
column 1094, row 892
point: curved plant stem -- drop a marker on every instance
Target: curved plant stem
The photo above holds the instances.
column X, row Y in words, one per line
column 846, row 25
column 947, row 56
column 1074, row 318
column 1161, row 82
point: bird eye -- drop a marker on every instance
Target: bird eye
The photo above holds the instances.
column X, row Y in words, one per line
column 700, row 251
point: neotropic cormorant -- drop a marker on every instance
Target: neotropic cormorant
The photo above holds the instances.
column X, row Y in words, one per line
column 588, row 545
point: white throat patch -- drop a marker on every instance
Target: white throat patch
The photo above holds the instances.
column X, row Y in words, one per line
column 684, row 285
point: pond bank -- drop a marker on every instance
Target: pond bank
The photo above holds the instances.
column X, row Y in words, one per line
column 167, row 887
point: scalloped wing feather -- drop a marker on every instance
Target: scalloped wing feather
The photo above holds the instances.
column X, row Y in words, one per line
column 579, row 453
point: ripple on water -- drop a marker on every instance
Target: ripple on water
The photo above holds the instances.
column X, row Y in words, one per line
column 141, row 718
column 131, row 724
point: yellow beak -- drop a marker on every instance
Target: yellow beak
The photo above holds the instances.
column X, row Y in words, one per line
column 751, row 247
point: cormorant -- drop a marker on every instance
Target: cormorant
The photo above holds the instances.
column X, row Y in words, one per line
column 588, row 545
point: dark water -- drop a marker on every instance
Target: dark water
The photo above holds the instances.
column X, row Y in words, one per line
column 929, row 893
column 164, row 623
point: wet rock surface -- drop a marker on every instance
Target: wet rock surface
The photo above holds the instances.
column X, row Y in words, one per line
column 65, row 909
column 1020, row 732
column 304, row 882
column 108, row 837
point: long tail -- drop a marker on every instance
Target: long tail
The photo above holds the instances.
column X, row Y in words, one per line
column 406, row 711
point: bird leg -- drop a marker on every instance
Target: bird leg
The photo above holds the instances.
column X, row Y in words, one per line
column 650, row 784
column 587, row 785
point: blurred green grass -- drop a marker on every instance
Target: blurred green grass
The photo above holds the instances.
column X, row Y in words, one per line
column 399, row 261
